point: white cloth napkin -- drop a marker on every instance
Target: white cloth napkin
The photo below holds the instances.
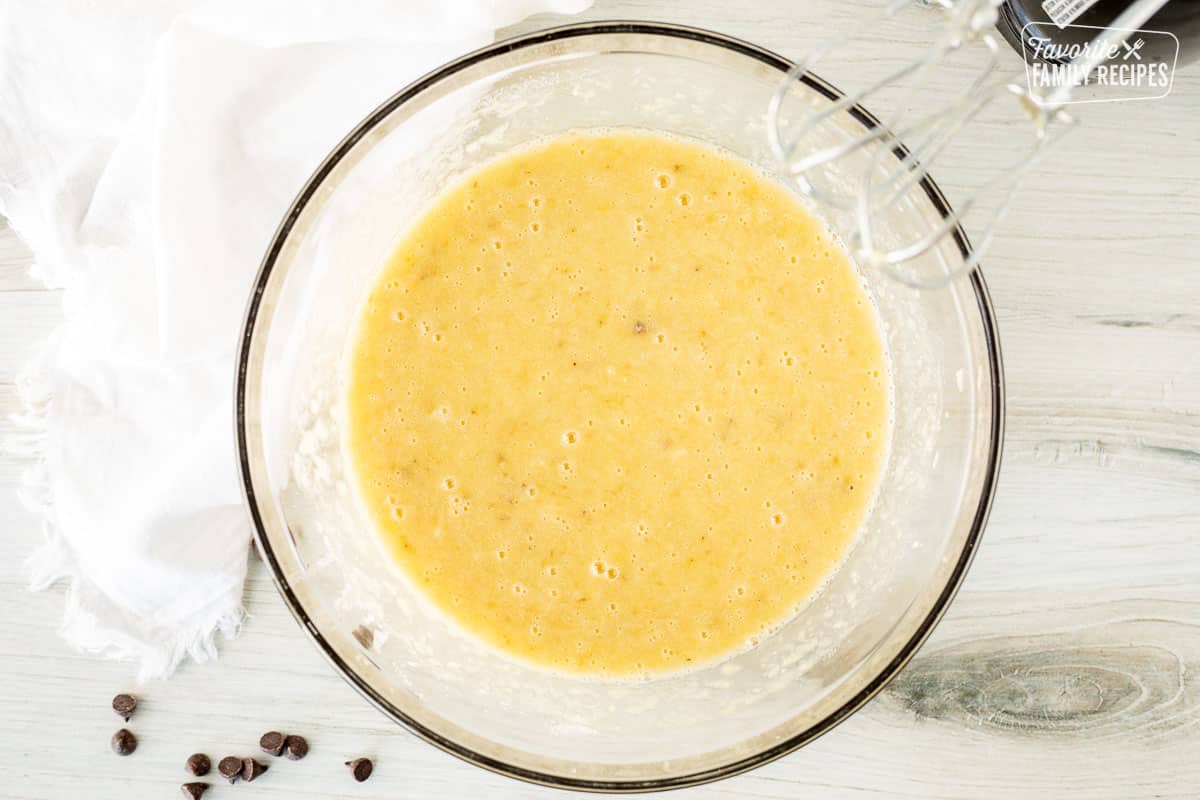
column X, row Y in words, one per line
column 148, row 148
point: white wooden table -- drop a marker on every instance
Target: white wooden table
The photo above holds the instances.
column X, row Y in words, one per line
column 1069, row 665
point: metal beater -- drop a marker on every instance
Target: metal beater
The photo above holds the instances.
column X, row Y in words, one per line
column 917, row 143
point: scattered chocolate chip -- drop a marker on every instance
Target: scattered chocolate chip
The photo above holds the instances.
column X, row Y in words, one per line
column 123, row 742
column 198, row 764
column 639, row 327
column 124, row 705
column 194, row 790
column 271, row 743
column 361, row 768
column 230, row 767
column 295, row 747
column 251, row 769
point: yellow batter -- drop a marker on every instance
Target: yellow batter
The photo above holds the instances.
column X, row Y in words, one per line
column 617, row 403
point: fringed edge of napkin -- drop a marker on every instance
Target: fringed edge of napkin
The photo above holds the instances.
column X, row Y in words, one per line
column 53, row 563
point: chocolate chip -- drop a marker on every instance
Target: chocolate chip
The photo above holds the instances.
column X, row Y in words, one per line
column 194, row 790
column 251, row 769
column 198, row 764
column 361, row 768
column 295, row 747
column 271, row 743
column 124, row 705
column 230, row 767
column 123, row 742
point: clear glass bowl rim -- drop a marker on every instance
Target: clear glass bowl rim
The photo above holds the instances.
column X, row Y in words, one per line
column 920, row 634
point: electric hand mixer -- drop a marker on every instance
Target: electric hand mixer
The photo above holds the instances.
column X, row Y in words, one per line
column 965, row 24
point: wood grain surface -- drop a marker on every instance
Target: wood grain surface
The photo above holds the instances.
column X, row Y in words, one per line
column 1069, row 665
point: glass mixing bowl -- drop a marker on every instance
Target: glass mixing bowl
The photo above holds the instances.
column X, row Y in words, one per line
column 529, row 723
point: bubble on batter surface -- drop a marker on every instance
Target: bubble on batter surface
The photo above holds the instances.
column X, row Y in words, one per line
column 603, row 570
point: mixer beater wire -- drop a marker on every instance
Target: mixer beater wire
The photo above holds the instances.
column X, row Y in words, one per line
column 827, row 164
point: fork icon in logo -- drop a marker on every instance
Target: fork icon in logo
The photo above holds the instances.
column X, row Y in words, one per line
column 1132, row 50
